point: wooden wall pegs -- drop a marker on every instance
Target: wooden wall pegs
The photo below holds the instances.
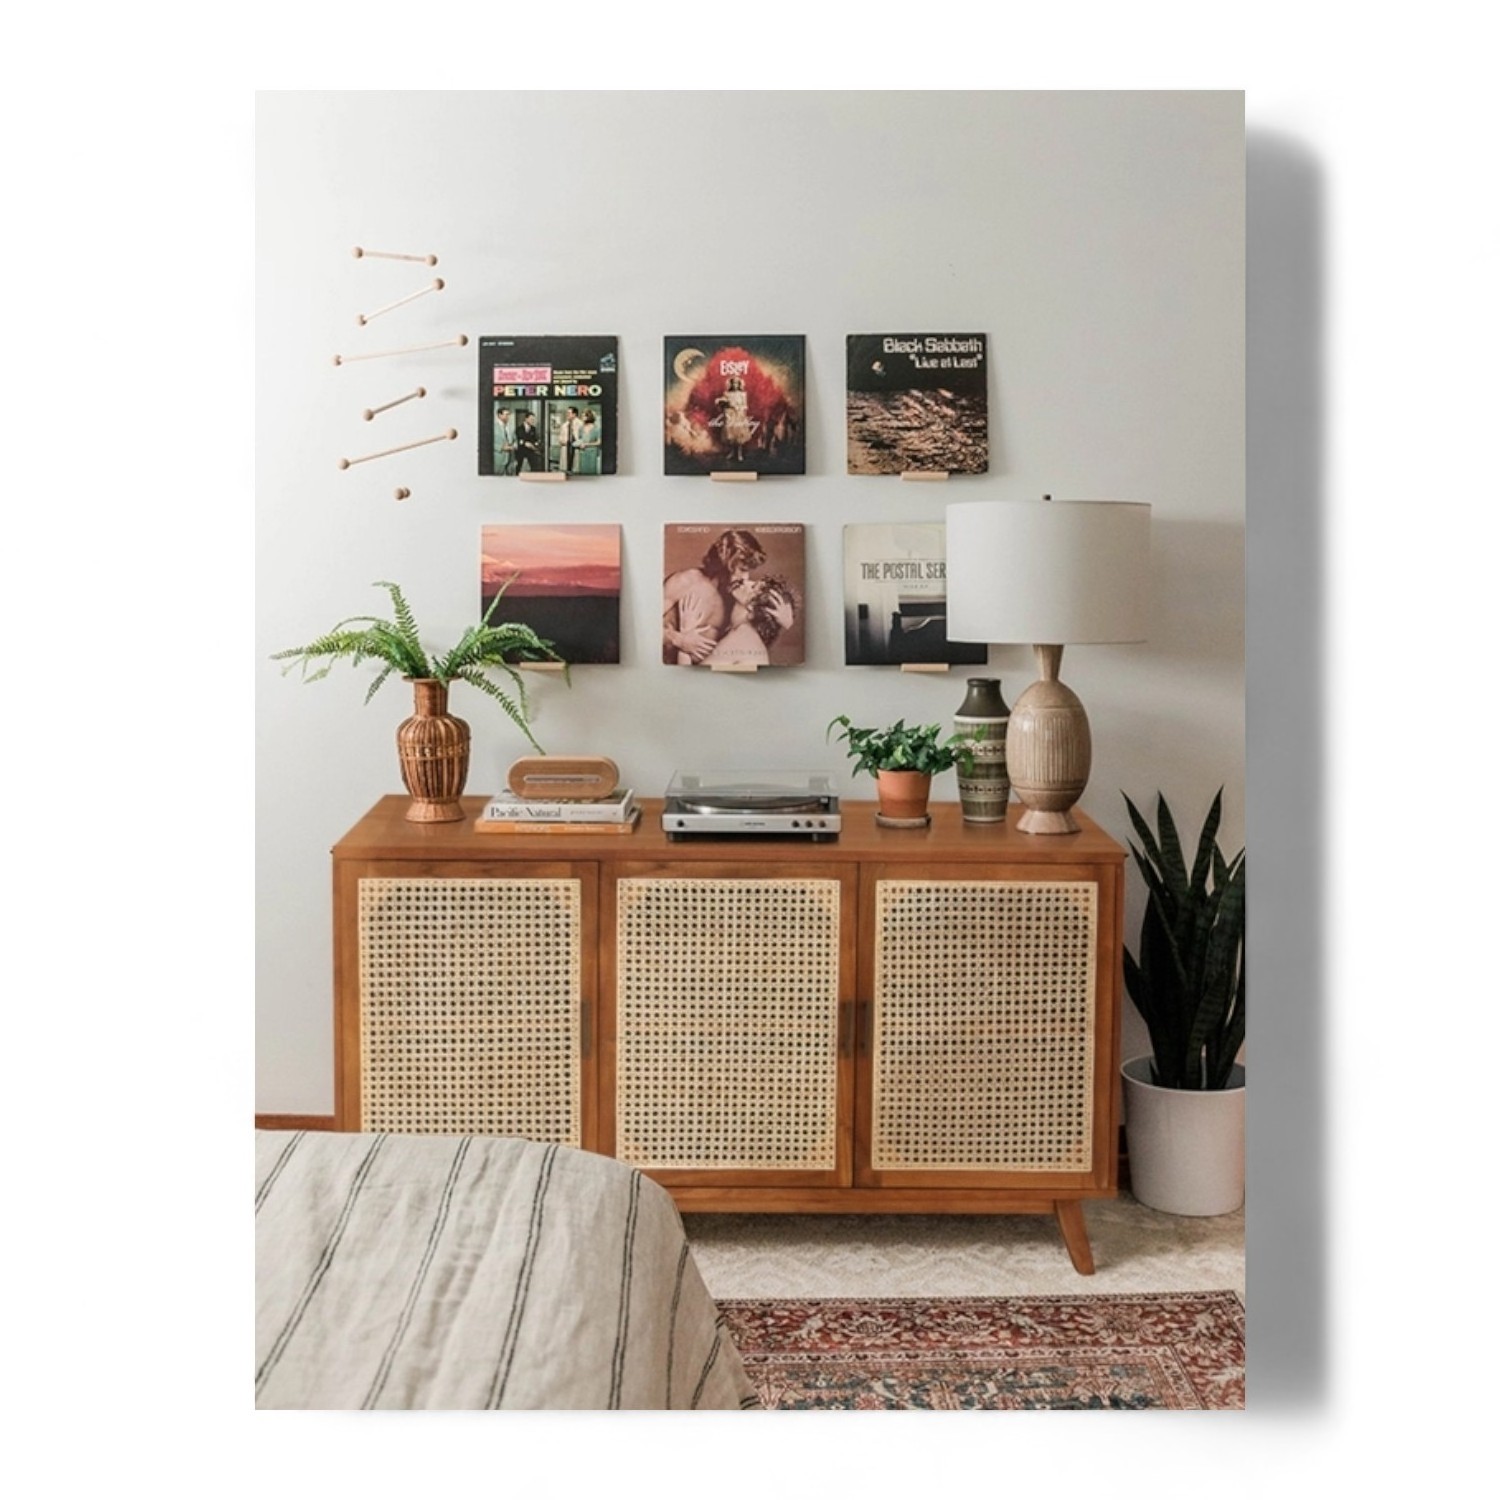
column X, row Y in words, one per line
column 426, row 260
column 734, row 476
column 346, row 359
column 540, row 476
column 733, row 666
column 929, row 474
column 371, row 412
column 432, row 286
column 442, row 437
column 924, row 666
column 403, row 493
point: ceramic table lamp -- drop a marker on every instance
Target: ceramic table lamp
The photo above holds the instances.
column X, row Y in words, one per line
column 1048, row 573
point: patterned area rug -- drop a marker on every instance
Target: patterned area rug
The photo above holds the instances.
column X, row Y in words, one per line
column 1178, row 1351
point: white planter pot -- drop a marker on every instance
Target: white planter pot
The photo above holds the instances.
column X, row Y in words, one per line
column 1187, row 1146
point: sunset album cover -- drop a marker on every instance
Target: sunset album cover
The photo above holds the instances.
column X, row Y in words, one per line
column 563, row 581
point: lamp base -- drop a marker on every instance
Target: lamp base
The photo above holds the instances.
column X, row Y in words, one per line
column 1049, row 749
column 1040, row 820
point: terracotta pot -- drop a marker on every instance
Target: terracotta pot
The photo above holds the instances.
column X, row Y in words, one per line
column 903, row 794
column 434, row 751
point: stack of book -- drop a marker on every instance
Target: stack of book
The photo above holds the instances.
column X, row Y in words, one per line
column 508, row 813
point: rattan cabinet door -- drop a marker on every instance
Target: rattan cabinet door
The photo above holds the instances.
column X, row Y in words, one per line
column 983, row 1041
column 726, row 1022
column 469, row 1010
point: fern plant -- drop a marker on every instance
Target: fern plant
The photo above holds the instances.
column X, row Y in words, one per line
column 396, row 644
column 1188, row 982
column 901, row 748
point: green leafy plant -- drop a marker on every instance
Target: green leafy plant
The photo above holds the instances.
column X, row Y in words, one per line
column 1189, row 980
column 901, row 748
column 396, row 645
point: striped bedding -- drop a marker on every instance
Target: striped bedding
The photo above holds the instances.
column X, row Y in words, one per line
column 474, row 1272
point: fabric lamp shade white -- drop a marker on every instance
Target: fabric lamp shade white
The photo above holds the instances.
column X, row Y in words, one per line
column 1056, row 572
column 1051, row 573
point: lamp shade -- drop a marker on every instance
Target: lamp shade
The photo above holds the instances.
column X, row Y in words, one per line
column 1048, row 571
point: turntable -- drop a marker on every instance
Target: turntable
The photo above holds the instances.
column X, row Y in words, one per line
column 733, row 804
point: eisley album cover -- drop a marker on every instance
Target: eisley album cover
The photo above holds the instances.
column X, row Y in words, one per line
column 734, row 402
column 917, row 402
column 548, row 404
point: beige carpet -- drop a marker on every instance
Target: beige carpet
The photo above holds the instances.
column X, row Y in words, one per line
column 1136, row 1249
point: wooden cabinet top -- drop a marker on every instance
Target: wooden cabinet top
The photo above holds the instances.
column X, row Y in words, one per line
column 384, row 834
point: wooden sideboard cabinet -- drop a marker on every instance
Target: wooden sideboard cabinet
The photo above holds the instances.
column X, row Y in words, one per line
column 903, row 1021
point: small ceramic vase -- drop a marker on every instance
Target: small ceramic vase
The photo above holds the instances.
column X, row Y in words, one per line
column 982, row 719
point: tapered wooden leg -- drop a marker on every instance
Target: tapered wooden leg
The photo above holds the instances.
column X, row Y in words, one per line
column 1075, row 1234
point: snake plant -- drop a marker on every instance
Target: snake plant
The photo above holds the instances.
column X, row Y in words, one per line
column 397, row 645
column 1188, row 982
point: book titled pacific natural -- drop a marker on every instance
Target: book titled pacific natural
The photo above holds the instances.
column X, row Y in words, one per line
column 917, row 402
column 896, row 599
column 548, row 404
column 563, row 581
column 735, row 403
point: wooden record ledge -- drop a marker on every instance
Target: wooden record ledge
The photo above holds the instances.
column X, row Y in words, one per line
column 901, row 1021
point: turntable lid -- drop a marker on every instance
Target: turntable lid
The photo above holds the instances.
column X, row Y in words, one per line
column 763, row 790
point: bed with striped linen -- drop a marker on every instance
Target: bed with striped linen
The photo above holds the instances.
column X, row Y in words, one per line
column 476, row 1272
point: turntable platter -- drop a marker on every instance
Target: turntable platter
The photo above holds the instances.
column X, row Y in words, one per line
column 749, row 799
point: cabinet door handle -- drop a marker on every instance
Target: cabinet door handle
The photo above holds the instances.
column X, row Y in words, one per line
column 862, row 1028
column 585, row 1028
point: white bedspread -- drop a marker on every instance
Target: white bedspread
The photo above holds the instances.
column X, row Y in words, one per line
column 476, row 1272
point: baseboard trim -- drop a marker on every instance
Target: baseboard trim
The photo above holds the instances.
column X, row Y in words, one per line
column 294, row 1122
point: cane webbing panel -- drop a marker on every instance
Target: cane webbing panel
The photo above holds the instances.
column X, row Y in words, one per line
column 983, row 1045
column 727, row 1024
column 470, row 1007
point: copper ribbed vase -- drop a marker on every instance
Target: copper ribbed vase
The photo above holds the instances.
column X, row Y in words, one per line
column 434, row 751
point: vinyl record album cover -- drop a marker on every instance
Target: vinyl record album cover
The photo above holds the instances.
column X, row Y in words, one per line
column 734, row 594
column 734, row 402
column 896, row 598
column 917, row 402
column 564, row 582
column 548, row 404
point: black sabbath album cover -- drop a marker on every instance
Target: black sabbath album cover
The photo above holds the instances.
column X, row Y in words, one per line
column 734, row 402
column 548, row 404
column 918, row 402
column 896, row 598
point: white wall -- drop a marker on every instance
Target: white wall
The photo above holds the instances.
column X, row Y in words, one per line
column 1097, row 238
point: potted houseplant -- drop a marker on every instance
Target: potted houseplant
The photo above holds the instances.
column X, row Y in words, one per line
column 433, row 745
column 1185, row 1102
column 903, row 760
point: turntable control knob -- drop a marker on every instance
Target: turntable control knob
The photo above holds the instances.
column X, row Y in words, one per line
column 796, row 824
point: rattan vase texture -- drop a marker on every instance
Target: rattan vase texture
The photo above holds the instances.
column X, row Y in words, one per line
column 434, row 749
